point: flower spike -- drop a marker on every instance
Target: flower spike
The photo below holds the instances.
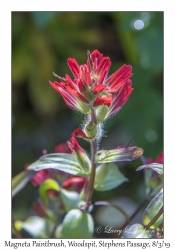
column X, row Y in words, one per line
column 91, row 88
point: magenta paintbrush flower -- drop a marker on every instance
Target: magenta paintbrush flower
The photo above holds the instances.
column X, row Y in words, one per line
column 91, row 88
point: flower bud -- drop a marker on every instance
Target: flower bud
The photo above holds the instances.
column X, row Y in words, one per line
column 80, row 154
column 91, row 129
column 101, row 112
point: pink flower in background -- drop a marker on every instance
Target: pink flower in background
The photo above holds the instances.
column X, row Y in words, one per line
column 75, row 183
column 69, row 182
column 159, row 159
column 62, row 148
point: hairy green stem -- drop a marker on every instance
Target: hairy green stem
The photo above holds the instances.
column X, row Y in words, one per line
column 93, row 169
column 90, row 188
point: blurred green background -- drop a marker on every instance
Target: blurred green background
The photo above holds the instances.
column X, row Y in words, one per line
column 41, row 44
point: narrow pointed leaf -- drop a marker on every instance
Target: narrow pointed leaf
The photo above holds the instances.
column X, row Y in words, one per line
column 48, row 184
column 108, row 177
column 154, row 166
column 136, row 231
column 20, row 180
column 70, row 199
column 121, row 154
column 64, row 162
column 153, row 208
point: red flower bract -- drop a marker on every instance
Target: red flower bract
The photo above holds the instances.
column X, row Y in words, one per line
column 91, row 87
column 79, row 153
column 80, row 133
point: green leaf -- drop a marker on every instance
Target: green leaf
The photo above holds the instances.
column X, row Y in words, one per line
column 151, row 211
column 148, row 174
column 154, row 191
column 78, row 225
column 45, row 186
column 154, row 166
column 152, row 181
column 136, row 231
column 70, row 199
column 34, row 226
column 64, row 162
column 20, row 180
column 121, row 154
column 58, row 232
column 108, row 177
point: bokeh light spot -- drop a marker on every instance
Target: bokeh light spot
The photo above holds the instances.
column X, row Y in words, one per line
column 138, row 24
column 151, row 135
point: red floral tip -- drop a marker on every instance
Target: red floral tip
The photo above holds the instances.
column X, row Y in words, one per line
column 70, row 82
column 102, row 77
column 85, row 75
column 40, row 177
column 62, row 148
column 69, row 92
column 74, row 146
column 72, row 97
column 102, row 101
column 79, row 133
column 79, row 153
column 55, row 84
column 116, row 80
column 119, row 100
column 104, row 65
column 149, row 160
column 98, row 89
column 44, row 152
column 160, row 158
column 74, row 67
column 96, row 56
column 80, row 96
column 82, row 85
column 118, row 147
column 75, row 181
column 88, row 78
column 52, row 193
